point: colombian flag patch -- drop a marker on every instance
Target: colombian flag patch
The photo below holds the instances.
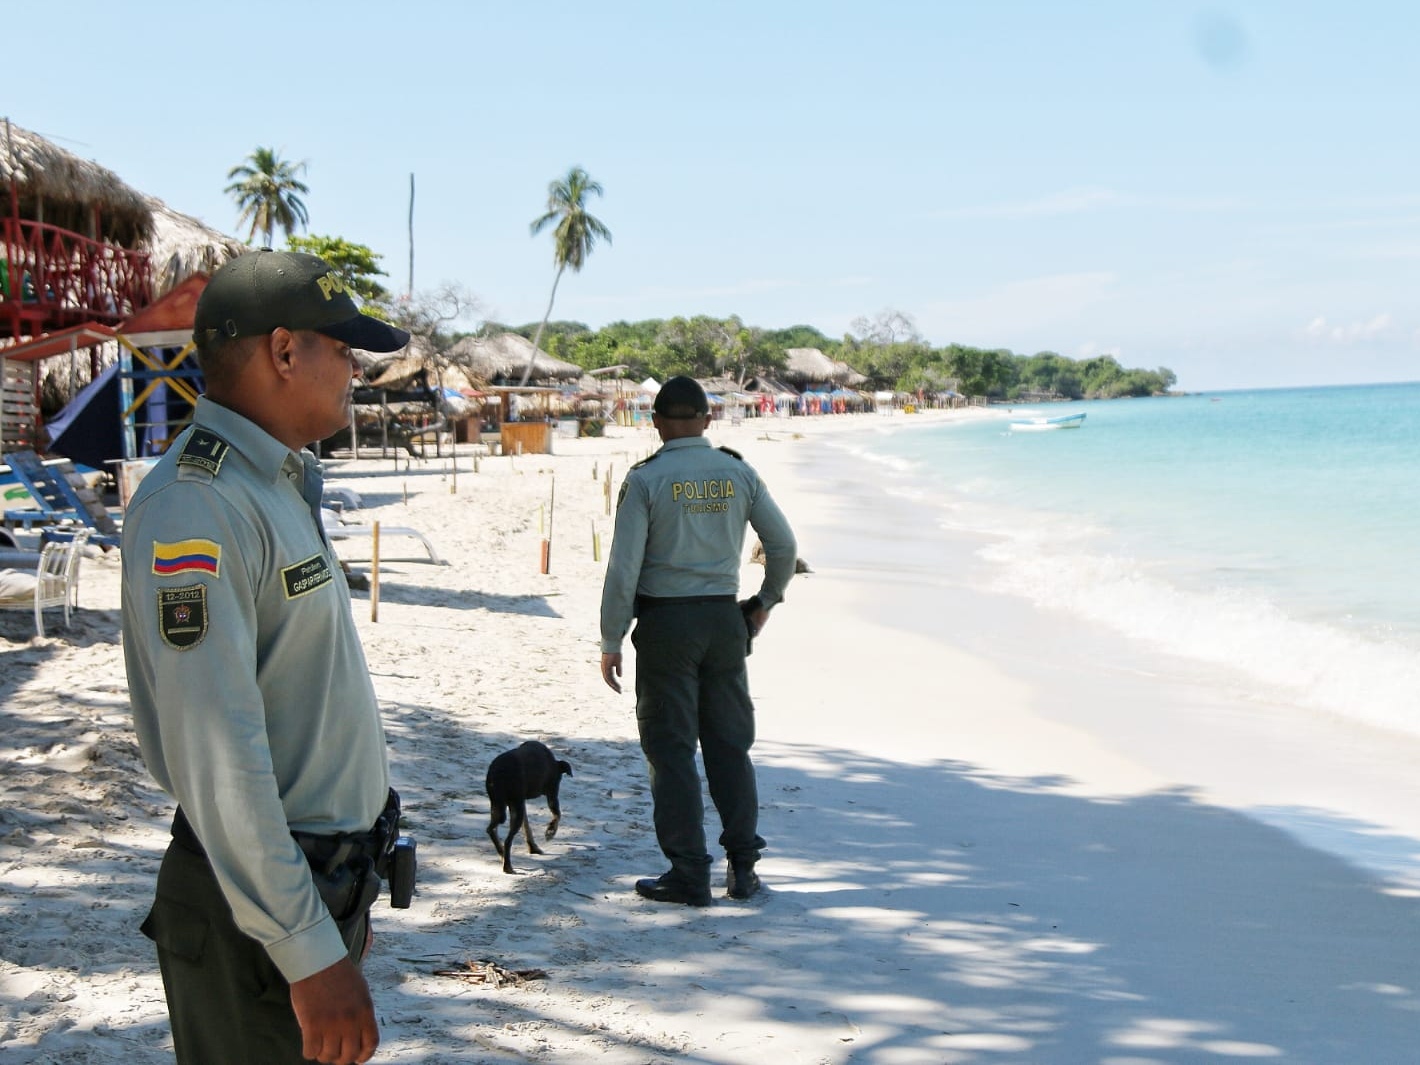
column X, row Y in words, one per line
column 187, row 556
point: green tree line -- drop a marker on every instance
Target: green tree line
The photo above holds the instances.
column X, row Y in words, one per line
column 703, row 347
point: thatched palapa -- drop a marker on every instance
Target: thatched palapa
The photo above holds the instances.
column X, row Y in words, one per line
column 181, row 246
column 765, row 384
column 396, row 372
column 501, row 360
column 57, row 187
column 809, row 366
column 726, row 387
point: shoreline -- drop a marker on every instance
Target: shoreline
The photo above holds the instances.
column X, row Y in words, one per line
column 1011, row 864
column 1137, row 717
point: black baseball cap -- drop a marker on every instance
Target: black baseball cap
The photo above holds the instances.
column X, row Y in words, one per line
column 681, row 397
column 263, row 290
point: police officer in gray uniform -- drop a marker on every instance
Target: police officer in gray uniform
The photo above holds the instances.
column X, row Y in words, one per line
column 675, row 566
column 251, row 697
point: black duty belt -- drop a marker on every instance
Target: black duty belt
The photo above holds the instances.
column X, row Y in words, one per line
column 648, row 602
column 324, row 852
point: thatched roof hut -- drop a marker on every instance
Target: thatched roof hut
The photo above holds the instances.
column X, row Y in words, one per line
column 55, row 186
column 764, row 383
column 397, row 371
column 181, row 246
column 852, row 378
column 725, row 386
column 502, row 359
column 809, row 366
column 58, row 188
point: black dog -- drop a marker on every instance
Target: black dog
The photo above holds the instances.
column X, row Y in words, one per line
column 515, row 777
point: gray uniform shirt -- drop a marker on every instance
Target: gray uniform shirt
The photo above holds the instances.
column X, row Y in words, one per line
column 680, row 531
column 251, row 697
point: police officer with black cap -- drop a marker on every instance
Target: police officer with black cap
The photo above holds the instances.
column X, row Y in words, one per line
column 251, row 697
column 675, row 565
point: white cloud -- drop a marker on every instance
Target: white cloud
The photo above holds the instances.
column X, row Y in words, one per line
column 1320, row 330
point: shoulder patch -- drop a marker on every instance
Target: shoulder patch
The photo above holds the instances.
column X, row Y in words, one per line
column 205, row 450
column 304, row 577
column 187, row 556
column 733, row 453
column 622, row 494
column 182, row 616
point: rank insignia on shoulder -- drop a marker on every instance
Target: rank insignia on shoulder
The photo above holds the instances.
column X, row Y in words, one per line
column 182, row 616
column 205, row 450
column 733, row 453
column 648, row 458
column 187, row 556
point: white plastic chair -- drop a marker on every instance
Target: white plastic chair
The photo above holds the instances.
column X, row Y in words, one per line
column 56, row 579
column 337, row 529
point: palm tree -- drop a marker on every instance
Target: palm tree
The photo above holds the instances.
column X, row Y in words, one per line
column 576, row 233
column 265, row 187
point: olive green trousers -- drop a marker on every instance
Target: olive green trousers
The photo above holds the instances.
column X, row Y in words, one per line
column 227, row 1003
column 692, row 690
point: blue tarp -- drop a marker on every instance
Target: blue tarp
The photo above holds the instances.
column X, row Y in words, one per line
column 89, row 430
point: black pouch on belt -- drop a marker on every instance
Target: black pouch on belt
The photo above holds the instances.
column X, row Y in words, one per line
column 348, row 889
column 348, row 868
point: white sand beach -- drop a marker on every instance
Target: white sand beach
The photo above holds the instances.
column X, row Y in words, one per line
column 994, row 836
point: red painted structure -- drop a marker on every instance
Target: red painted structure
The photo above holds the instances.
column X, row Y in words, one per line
column 51, row 278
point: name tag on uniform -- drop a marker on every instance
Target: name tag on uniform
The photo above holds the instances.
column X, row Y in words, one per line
column 303, row 578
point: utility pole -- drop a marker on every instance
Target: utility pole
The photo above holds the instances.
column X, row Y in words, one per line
column 409, row 290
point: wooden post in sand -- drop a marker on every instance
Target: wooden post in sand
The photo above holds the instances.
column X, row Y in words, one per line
column 547, row 544
column 375, row 572
column 454, row 468
column 596, row 542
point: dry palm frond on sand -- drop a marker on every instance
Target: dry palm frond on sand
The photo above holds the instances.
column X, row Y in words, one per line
column 492, row 974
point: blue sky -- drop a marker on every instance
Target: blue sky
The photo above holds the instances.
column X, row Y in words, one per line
column 1228, row 189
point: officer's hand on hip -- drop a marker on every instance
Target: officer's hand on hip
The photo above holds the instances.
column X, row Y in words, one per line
column 611, row 671
column 756, row 620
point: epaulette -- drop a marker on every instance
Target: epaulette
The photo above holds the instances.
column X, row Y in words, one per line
column 648, row 458
column 204, row 450
column 733, row 453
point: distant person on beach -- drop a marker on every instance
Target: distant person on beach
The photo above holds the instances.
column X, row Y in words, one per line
column 675, row 567
column 251, row 697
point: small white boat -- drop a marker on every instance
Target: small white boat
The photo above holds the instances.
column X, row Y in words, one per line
column 1065, row 421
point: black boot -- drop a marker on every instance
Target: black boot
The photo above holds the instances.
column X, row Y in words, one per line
column 741, row 881
column 666, row 888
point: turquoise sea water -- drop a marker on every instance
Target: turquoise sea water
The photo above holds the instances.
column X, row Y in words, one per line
column 1268, row 536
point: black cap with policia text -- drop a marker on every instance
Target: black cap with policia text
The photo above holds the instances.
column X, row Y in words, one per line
column 681, row 397
column 265, row 290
